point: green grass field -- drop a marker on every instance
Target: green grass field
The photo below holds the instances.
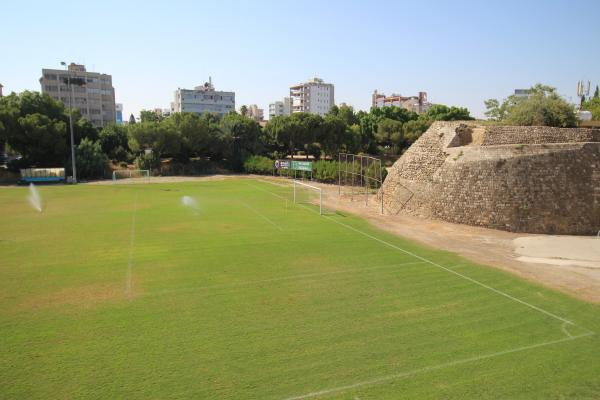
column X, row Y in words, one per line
column 120, row 292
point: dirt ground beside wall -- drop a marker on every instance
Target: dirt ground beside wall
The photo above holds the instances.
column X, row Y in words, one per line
column 570, row 264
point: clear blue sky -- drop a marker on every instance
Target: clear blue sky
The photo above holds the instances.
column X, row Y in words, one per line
column 460, row 52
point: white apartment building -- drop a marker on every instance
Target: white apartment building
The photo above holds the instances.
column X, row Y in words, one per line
column 279, row 108
column 203, row 99
column 314, row 96
column 94, row 95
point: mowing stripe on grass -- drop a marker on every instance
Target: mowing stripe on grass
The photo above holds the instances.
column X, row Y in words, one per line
column 375, row 381
column 131, row 244
column 283, row 278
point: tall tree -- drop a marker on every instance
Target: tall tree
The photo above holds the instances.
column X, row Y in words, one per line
column 440, row 112
column 194, row 133
column 597, row 92
column 241, row 138
column 35, row 126
column 151, row 116
column 389, row 134
column 114, row 142
column 543, row 106
column 333, row 134
column 131, row 119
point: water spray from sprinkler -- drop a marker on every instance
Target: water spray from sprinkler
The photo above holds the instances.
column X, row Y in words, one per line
column 34, row 198
column 190, row 203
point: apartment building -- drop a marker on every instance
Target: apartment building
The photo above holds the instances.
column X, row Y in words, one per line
column 522, row 93
column 314, row 96
column 255, row 113
column 279, row 108
column 418, row 104
column 95, row 97
column 119, row 113
column 203, row 99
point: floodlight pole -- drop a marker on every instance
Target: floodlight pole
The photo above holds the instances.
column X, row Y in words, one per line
column 381, row 185
column 339, row 174
column 70, row 88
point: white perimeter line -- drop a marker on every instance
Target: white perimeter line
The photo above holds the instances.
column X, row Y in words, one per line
column 131, row 243
column 375, row 381
column 266, row 191
column 452, row 363
column 255, row 211
column 445, row 269
column 274, row 183
column 452, row 272
column 283, row 278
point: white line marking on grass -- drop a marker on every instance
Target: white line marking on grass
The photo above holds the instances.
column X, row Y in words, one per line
column 267, row 191
column 128, row 283
column 255, row 211
column 541, row 310
column 375, row 381
column 451, row 271
column 382, row 379
column 275, row 183
column 283, row 278
column 563, row 327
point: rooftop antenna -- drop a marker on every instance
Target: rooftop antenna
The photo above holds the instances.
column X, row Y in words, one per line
column 587, row 89
column 580, row 93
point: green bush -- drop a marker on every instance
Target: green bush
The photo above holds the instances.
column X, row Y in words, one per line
column 326, row 171
column 91, row 161
column 258, row 165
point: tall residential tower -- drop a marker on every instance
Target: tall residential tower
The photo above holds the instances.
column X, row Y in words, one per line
column 314, row 96
column 95, row 97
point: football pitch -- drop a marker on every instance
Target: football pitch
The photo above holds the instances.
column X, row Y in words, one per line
column 121, row 291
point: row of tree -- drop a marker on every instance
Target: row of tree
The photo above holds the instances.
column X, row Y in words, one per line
column 35, row 126
column 385, row 130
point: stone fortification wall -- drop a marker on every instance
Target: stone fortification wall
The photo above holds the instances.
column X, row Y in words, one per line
column 497, row 135
column 463, row 173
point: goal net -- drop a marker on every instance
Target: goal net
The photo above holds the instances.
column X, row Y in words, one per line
column 138, row 174
column 309, row 195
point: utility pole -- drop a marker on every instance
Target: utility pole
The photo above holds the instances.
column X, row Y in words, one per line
column 70, row 88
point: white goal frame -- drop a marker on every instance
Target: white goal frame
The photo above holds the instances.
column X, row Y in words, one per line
column 144, row 172
column 310, row 187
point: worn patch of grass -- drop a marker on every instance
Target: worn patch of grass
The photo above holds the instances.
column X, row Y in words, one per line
column 263, row 301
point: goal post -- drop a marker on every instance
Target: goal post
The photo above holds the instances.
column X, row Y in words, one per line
column 360, row 176
column 130, row 174
column 308, row 194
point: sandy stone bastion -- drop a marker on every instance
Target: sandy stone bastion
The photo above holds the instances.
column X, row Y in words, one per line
column 515, row 178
